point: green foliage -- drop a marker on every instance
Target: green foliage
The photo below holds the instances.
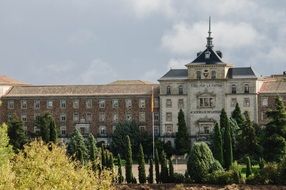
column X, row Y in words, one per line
column 171, row 171
column 77, row 147
column 157, row 167
column 267, row 175
column 216, row 167
column 223, row 119
column 166, row 146
column 182, row 136
column 199, row 162
column 128, row 165
column 217, row 144
column 237, row 116
column 16, row 133
column 282, row 172
column 120, row 176
column 164, row 177
column 151, row 172
column 48, row 129
column 53, row 131
column 228, row 154
column 141, row 166
column 248, row 167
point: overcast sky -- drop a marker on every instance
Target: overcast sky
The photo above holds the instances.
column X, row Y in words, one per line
column 98, row 41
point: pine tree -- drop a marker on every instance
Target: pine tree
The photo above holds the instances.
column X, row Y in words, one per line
column 182, row 137
column 218, row 148
column 141, row 167
column 248, row 167
column 120, row 176
column 237, row 116
column 53, row 131
column 151, row 174
column 16, row 133
column 157, row 167
column 128, row 165
column 77, row 147
column 164, row 168
column 228, row 154
column 171, row 171
column 92, row 148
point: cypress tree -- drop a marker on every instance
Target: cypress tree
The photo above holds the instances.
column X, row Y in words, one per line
column 120, row 176
column 237, row 115
column 103, row 159
column 248, row 167
column 164, row 168
column 77, row 147
column 218, row 149
column 157, row 168
column 223, row 120
column 53, row 131
column 171, row 171
column 228, row 154
column 92, row 147
column 182, row 137
column 151, row 174
column 141, row 166
column 128, row 165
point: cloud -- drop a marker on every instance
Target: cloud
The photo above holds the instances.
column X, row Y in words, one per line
column 185, row 38
column 178, row 63
column 81, row 37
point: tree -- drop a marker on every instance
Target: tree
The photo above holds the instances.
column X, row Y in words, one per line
column 274, row 143
column 151, row 174
column 92, row 149
column 48, row 129
column 157, row 168
column 77, row 148
column 223, row 120
column 237, row 116
column 16, row 133
column 141, row 166
column 199, row 162
column 128, row 165
column 53, row 131
column 248, row 167
column 228, row 154
column 217, row 144
column 182, row 137
column 171, row 171
column 120, row 176
column 164, row 168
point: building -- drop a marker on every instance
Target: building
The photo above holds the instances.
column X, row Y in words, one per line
column 89, row 108
column 202, row 90
column 6, row 83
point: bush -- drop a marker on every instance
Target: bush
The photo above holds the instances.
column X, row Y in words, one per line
column 178, row 178
column 282, row 172
column 267, row 175
column 223, row 178
column 216, row 167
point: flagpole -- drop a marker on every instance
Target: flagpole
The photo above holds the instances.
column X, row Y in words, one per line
column 153, row 132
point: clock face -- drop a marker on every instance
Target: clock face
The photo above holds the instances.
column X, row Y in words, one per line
column 206, row 73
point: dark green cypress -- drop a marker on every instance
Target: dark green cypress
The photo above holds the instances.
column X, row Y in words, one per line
column 92, row 147
column 182, row 136
column 128, row 165
column 164, row 168
column 237, row 115
column 103, row 159
column 151, row 174
column 53, row 131
column 217, row 144
column 157, row 167
column 223, row 119
column 120, row 176
column 248, row 167
column 171, row 171
column 141, row 166
column 228, row 154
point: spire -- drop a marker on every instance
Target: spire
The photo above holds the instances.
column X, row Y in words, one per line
column 209, row 38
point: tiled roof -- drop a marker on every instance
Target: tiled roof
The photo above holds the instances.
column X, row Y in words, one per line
column 276, row 86
column 4, row 80
column 82, row 90
column 213, row 59
column 241, row 72
column 175, row 73
column 126, row 82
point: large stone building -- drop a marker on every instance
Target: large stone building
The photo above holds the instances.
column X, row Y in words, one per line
column 202, row 90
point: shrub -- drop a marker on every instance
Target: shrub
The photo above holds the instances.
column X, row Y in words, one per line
column 178, row 178
column 267, row 175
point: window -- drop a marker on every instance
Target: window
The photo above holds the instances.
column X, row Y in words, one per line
column 207, row 54
column 9, row 116
column 233, row 89
column 181, row 103
column 128, row 103
column 75, row 116
column 264, row 101
column 63, row 117
column 199, row 74
column 156, row 130
column 128, row 116
column 168, row 103
column 63, row 130
column 37, row 104
column 141, row 128
column 206, row 102
column 88, row 116
column 168, row 90
column 63, row 104
column 11, row 104
column 142, row 117
column 156, row 116
column 142, row 103
column 246, row 88
column 24, row 118
column 115, row 117
column 102, row 130
column 101, row 117
column 169, row 128
column 49, row 104
column 204, row 128
column 88, row 103
column 213, row 75
column 181, row 90
column 37, row 129
column 156, row 102
column 169, row 116
column 36, row 116
column 113, row 128
column 246, row 102
column 115, row 103
column 75, row 104
column 24, row 104
column 233, row 102
column 101, row 103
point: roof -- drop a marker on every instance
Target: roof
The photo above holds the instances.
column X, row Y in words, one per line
column 5, row 80
column 241, row 72
column 125, row 82
column 82, row 90
column 175, row 74
column 277, row 86
column 213, row 59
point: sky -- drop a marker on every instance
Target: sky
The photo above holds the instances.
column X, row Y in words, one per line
column 99, row 41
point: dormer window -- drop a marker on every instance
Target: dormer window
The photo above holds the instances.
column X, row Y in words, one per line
column 233, row 89
column 168, row 90
column 199, row 73
column 207, row 54
column 213, row 75
column 181, row 90
column 246, row 88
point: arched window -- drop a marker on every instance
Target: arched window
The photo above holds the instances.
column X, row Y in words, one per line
column 213, row 75
column 246, row 88
column 199, row 74
column 233, row 89
column 181, row 90
column 168, row 90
